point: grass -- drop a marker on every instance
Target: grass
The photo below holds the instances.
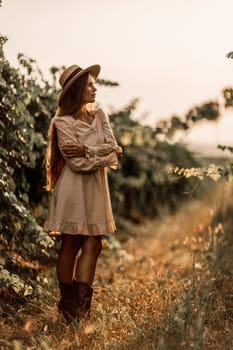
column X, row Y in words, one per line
column 168, row 285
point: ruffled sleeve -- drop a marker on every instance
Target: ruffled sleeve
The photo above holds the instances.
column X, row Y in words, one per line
column 66, row 135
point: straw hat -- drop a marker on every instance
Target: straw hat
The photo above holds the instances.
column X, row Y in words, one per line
column 72, row 73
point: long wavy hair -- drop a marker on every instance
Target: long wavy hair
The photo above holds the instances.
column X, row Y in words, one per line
column 71, row 103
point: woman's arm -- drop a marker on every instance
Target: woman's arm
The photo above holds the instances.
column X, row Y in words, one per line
column 110, row 141
column 66, row 135
column 74, row 150
column 102, row 150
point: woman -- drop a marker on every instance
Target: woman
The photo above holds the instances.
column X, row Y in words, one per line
column 81, row 145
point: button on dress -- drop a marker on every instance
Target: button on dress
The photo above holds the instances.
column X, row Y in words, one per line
column 80, row 201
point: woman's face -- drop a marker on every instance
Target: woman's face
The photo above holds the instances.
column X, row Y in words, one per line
column 90, row 90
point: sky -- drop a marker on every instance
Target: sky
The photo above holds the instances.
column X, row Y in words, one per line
column 171, row 54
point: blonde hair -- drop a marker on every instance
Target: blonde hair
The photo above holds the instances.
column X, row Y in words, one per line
column 71, row 103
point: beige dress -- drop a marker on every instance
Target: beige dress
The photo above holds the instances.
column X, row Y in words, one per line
column 80, row 202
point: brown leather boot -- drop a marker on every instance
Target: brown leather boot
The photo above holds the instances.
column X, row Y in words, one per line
column 67, row 304
column 84, row 296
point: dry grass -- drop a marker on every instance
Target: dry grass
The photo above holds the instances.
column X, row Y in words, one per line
column 168, row 286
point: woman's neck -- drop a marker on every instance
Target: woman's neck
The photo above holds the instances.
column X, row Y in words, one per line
column 84, row 115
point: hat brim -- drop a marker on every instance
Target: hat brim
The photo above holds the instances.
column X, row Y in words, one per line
column 94, row 70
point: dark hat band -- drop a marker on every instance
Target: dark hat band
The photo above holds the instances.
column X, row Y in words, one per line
column 77, row 70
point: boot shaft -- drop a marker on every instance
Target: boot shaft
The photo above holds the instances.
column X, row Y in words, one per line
column 84, row 296
column 67, row 304
column 75, row 302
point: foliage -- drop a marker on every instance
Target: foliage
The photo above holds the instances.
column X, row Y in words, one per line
column 20, row 146
column 215, row 172
column 107, row 82
column 226, row 148
column 143, row 185
column 208, row 111
column 229, row 54
column 228, row 97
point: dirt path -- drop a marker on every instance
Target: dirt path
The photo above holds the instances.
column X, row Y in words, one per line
column 154, row 267
column 162, row 241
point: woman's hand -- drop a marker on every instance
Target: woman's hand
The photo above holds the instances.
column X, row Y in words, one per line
column 73, row 150
column 118, row 152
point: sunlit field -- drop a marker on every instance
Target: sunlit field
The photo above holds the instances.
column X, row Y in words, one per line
column 163, row 284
